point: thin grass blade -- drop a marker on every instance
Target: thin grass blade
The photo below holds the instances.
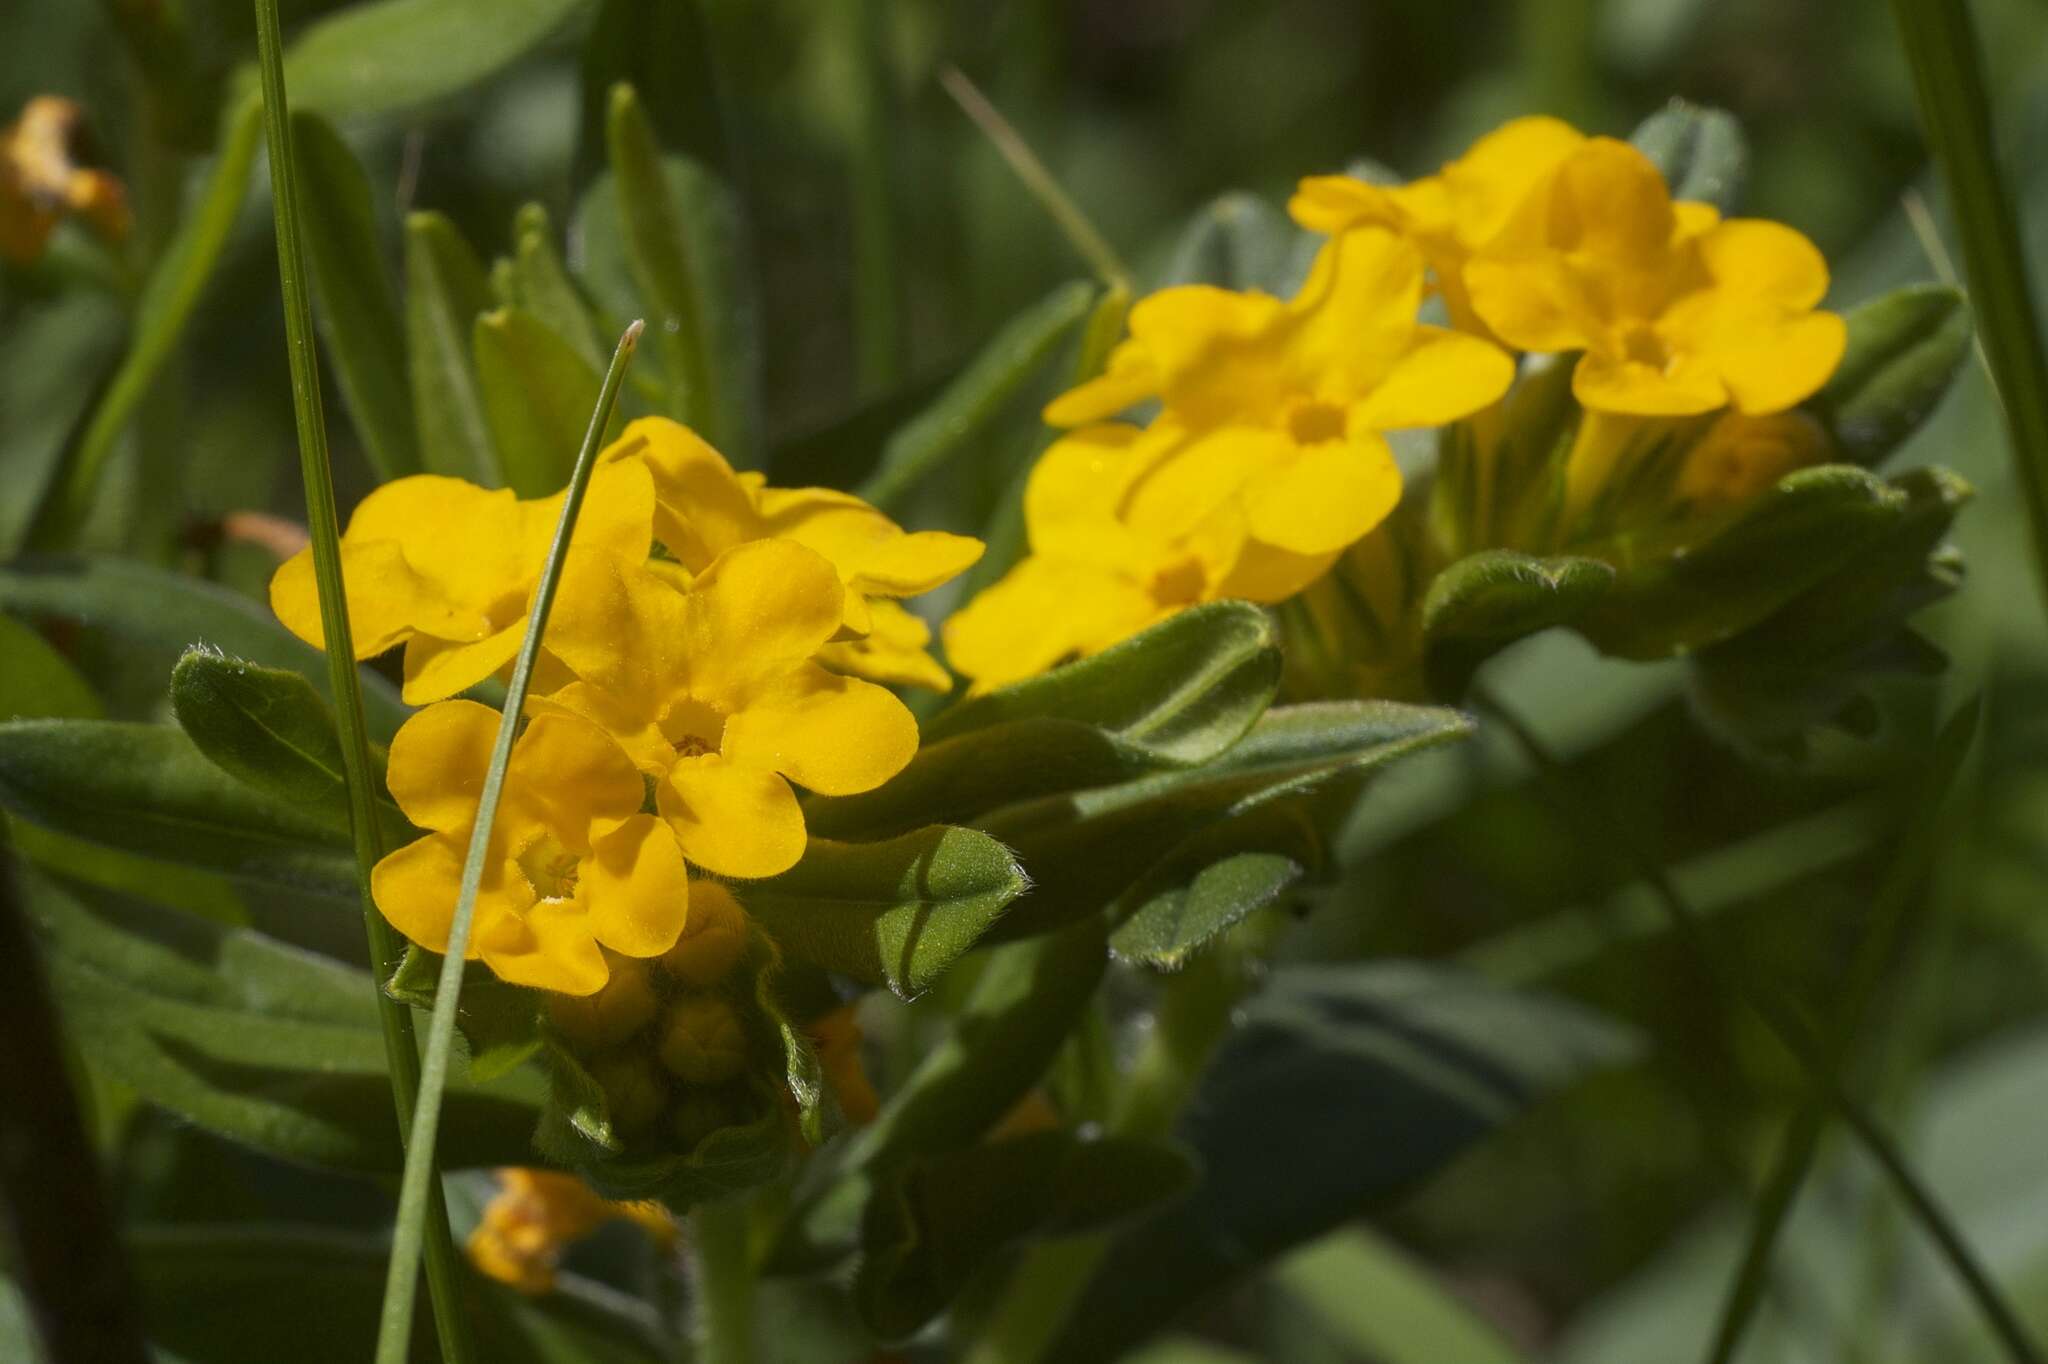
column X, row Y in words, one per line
column 394, row 1331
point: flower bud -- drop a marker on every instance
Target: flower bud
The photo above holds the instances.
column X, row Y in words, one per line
column 634, row 1091
column 702, row 1041
column 1740, row 456
column 625, row 1005
column 714, row 937
column 700, row 1112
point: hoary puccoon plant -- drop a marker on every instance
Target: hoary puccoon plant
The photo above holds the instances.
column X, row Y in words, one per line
column 1034, row 803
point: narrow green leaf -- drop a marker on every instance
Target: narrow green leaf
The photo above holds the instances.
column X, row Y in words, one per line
column 140, row 610
column 686, row 247
column 1173, row 923
column 1179, row 689
column 1904, row 351
column 168, row 300
column 1702, row 152
column 546, row 291
column 968, row 404
column 247, row 1037
column 38, row 682
column 396, row 55
column 1948, row 72
column 896, row 913
column 537, row 394
column 1357, row 1082
column 146, row 789
column 1487, row 601
column 446, row 291
column 937, row 1220
column 1386, row 1306
column 356, row 305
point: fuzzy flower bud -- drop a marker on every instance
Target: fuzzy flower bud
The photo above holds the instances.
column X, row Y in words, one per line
column 703, row 1042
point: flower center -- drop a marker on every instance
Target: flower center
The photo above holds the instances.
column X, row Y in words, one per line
column 694, row 727
column 1311, row 423
column 1179, row 583
column 550, row 868
column 1643, row 346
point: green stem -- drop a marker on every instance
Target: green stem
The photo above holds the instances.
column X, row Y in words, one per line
column 394, row 1332
column 1796, row 1035
column 722, row 1282
column 1948, row 73
column 444, row 1267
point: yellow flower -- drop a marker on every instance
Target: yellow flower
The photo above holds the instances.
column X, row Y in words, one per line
column 573, row 863
column 537, row 1213
column 1453, row 213
column 1740, row 456
column 713, row 691
column 449, row 569
column 40, row 183
column 704, row 509
column 1676, row 311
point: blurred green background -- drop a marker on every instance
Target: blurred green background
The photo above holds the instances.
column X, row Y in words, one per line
column 1604, row 1227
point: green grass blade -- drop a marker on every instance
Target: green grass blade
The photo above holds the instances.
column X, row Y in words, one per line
column 1788, row 1025
column 1948, row 73
column 1880, row 938
column 323, row 525
column 394, row 1332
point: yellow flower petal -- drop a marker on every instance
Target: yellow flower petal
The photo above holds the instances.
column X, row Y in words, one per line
column 1355, row 315
column 732, row 820
column 568, row 774
column 1783, row 365
column 467, row 541
column 1604, row 384
column 1215, row 351
column 633, row 727
column 437, row 763
column 1444, row 375
column 634, row 887
column 892, row 652
column 873, row 554
column 1333, row 203
column 836, row 735
column 758, row 610
column 1194, row 481
column 438, row 668
column 704, row 508
column 1497, row 173
column 1262, row 572
column 387, row 599
column 617, row 516
column 618, row 625
column 1531, row 300
column 1128, row 379
column 549, row 947
column 1767, row 261
column 1041, row 613
column 416, row 888
column 1327, row 497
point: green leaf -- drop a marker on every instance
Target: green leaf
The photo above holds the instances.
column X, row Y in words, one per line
column 1014, row 1023
column 1240, row 241
column 52, row 359
column 446, row 290
column 937, row 1220
column 246, row 1037
column 965, row 407
column 1342, row 1088
column 1385, row 1306
column 136, row 611
column 400, row 54
column 1904, row 351
column 270, row 730
column 896, row 913
column 538, row 394
column 499, row 1020
column 1789, row 538
column 168, row 300
column 1085, row 850
column 38, row 682
column 358, row 311
column 545, row 289
column 1180, row 689
column 1702, row 153
column 147, row 789
column 1486, row 601
column 686, row 247
column 1170, row 924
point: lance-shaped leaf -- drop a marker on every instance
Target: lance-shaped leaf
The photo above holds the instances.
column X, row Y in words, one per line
column 1212, row 882
column 247, row 1037
column 1086, row 849
column 401, row 54
column 538, row 394
column 543, row 287
column 446, row 290
column 1022, row 1007
column 896, row 913
column 1174, row 696
column 358, row 311
column 1486, row 601
column 964, row 409
column 1702, row 153
column 936, row 1220
column 129, row 609
column 1788, row 539
column 1341, row 1089
column 38, row 682
column 147, row 789
column 1904, row 351
column 686, row 247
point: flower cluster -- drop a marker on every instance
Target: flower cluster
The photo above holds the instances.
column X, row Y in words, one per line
column 705, row 644
column 1266, row 459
